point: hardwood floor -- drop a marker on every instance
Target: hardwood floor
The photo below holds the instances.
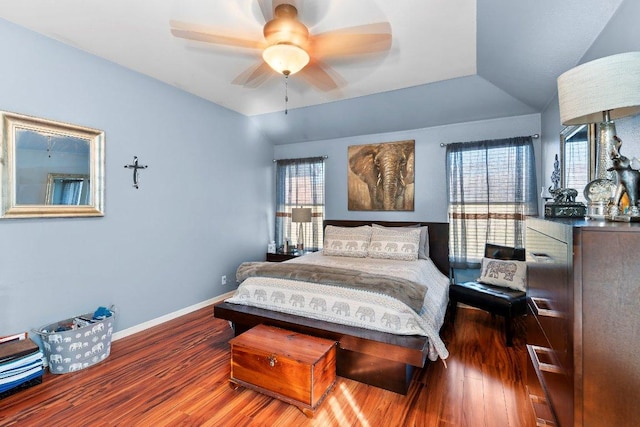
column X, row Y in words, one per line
column 176, row 374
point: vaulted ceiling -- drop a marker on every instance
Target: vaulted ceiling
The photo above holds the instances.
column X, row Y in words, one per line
column 450, row 61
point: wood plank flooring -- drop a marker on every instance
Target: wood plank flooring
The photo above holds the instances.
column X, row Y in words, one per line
column 176, row 374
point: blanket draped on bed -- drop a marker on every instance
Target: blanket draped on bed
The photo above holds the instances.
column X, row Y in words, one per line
column 406, row 291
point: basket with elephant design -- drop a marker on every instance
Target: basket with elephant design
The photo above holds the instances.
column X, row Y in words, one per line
column 78, row 342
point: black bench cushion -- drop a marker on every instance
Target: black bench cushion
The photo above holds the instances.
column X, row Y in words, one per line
column 495, row 299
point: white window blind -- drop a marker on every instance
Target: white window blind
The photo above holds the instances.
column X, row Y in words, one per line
column 491, row 188
column 300, row 184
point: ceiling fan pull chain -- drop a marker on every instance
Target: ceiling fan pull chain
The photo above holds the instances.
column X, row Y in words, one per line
column 286, row 93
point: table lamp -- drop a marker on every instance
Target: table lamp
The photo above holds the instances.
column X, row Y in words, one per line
column 601, row 91
column 300, row 216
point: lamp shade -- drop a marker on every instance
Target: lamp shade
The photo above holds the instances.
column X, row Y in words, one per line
column 609, row 84
column 285, row 58
column 301, row 215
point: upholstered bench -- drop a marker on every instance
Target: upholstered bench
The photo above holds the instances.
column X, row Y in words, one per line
column 497, row 300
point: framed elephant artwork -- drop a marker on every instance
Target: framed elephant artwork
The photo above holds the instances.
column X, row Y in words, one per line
column 381, row 176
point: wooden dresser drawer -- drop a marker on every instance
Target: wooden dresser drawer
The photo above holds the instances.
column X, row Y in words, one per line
column 535, row 333
column 549, row 293
column 554, row 324
column 554, row 382
column 537, row 396
column 296, row 368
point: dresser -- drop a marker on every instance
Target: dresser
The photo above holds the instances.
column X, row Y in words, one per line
column 583, row 323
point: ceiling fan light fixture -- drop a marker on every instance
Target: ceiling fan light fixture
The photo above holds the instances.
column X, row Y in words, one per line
column 285, row 58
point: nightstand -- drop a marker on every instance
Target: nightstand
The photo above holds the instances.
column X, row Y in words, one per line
column 281, row 256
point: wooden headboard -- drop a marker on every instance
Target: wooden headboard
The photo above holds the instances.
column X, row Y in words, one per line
column 438, row 237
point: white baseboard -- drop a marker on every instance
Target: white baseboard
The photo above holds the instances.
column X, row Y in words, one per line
column 159, row 320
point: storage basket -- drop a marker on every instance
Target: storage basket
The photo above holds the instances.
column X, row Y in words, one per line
column 77, row 343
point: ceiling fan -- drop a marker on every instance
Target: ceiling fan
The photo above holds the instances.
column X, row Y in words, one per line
column 289, row 48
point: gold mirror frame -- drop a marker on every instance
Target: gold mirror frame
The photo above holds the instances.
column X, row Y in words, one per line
column 12, row 123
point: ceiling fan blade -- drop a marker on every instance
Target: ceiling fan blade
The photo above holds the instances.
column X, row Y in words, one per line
column 205, row 34
column 321, row 76
column 254, row 76
column 369, row 38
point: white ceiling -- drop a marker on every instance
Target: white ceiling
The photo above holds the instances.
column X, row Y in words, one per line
column 450, row 60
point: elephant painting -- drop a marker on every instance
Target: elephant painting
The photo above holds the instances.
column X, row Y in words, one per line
column 381, row 176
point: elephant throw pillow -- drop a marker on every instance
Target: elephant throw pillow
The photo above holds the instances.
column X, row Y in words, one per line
column 395, row 243
column 346, row 241
column 423, row 249
column 505, row 273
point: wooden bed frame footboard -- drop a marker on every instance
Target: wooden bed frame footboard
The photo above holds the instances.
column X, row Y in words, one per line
column 377, row 358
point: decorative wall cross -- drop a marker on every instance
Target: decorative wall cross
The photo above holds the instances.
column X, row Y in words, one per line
column 135, row 166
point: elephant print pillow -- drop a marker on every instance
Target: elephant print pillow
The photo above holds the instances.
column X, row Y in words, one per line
column 505, row 273
column 395, row 243
column 346, row 241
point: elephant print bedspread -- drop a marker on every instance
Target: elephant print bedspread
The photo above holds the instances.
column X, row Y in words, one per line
column 357, row 307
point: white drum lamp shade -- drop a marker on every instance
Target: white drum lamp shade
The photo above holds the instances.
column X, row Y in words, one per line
column 608, row 84
column 601, row 91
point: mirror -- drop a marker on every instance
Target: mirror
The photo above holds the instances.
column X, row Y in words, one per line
column 577, row 157
column 50, row 169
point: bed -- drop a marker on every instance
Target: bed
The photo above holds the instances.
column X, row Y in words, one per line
column 380, row 358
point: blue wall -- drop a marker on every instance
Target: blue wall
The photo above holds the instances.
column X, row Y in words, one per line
column 202, row 207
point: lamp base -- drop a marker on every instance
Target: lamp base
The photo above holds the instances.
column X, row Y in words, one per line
column 605, row 146
column 597, row 210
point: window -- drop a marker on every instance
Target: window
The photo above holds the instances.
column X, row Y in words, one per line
column 300, row 184
column 491, row 188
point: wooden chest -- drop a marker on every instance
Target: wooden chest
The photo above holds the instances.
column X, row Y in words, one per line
column 296, row 368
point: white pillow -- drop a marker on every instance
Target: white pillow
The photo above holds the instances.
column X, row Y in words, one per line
column 400, row 243
column 505, row 273
column 346, row 241
column 423, row 249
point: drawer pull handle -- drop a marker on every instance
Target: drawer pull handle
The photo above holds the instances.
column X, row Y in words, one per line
column 272, row 360
column 540, row 257
column 541, row 304
column 548, row 354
